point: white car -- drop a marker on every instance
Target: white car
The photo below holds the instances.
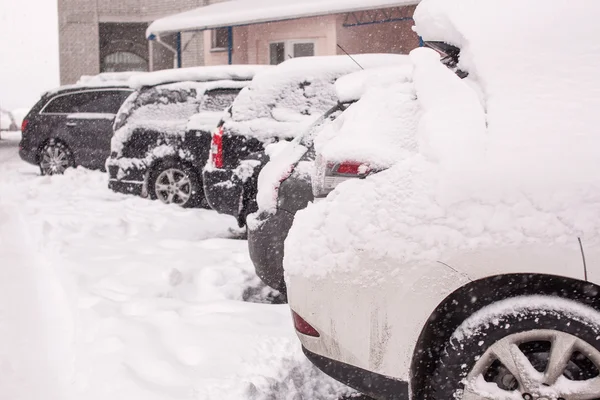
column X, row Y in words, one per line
column 470, row 269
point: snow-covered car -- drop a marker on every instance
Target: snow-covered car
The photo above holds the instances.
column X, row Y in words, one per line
column 284, row 184
column 279, row 105
column 72, row 126
column 470, row 268
column 162, row 134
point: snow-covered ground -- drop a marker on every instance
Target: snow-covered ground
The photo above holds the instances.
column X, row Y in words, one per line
column 108, row 296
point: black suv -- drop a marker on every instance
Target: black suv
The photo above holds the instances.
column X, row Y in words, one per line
column 71, row 126
column 162, row 133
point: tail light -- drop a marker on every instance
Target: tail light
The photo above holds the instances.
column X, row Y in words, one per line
column 329, row 174
column 216, row 148
column 304, row 327
column 24, row 125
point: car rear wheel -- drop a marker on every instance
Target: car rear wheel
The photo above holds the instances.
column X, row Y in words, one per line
column 175, row 182
column 55, row 157
column 532, row 348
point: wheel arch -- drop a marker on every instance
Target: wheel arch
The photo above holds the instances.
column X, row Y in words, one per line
column 172, row 158
column 466, row 300
column 48, row 140
column 170, row 161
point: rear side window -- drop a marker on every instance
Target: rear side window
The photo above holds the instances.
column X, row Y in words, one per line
column 101, row 101
column 218, row 100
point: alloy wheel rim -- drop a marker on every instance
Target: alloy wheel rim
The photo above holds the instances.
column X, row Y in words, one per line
column 173, row 186
column 563, row 367
column 54, row 161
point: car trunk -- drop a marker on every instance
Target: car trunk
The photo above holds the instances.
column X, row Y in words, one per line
column 237, row 147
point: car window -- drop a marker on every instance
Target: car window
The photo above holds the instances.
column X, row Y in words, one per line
column 101, row 101
column 107, row 102
column 218, row 100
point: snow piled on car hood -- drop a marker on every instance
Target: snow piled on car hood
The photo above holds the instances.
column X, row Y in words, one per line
column 283, row 101
column 540, row 87
column 516, row 166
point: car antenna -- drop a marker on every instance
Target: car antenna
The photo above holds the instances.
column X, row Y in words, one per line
column 356, row 62
column 585, row 272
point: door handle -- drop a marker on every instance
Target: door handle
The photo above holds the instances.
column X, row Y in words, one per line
column 71, row 123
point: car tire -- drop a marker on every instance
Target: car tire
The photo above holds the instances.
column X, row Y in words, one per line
column 536, row 331
column 55, row 158
column 176, row 182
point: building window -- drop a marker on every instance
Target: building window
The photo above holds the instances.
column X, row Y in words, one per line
column 122, row 61
column 220, row 38
column 281, row 51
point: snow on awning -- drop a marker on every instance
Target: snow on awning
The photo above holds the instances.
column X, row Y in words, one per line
column 245, row 12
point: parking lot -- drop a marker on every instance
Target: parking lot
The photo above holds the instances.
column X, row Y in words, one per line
column 132, row 297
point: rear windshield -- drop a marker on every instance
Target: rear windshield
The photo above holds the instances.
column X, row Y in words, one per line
column 218, row 100
column 162, row 103
column 286, row 100
column 307, row 138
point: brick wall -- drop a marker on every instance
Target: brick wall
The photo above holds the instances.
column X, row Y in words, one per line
column 79, row 25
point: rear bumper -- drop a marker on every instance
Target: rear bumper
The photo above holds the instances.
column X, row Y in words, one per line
column 28, row 155
column 372, row 384
column 265, row 243
column 131, row 183
column 222, row 193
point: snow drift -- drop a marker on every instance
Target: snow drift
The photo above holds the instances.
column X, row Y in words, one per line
column 507, row 156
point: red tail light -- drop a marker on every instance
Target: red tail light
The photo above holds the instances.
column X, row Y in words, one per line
column 24, row 125
column 217, row 148
column 304, row 327
column 329, row 174
column 348, row 168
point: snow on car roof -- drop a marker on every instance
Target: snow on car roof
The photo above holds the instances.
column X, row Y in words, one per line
column 102, row 80
column 282, row 101
column 107, row 78
column 506, row 157
column 242, row 12
column 198, row 74
column 351, row 87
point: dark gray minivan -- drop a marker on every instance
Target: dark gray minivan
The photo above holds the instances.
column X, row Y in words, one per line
column 71, row 126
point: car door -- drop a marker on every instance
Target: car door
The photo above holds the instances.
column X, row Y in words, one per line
column 90, row 127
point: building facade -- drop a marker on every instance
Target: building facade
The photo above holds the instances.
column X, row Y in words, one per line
column 110, row 36
column 274, row 42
